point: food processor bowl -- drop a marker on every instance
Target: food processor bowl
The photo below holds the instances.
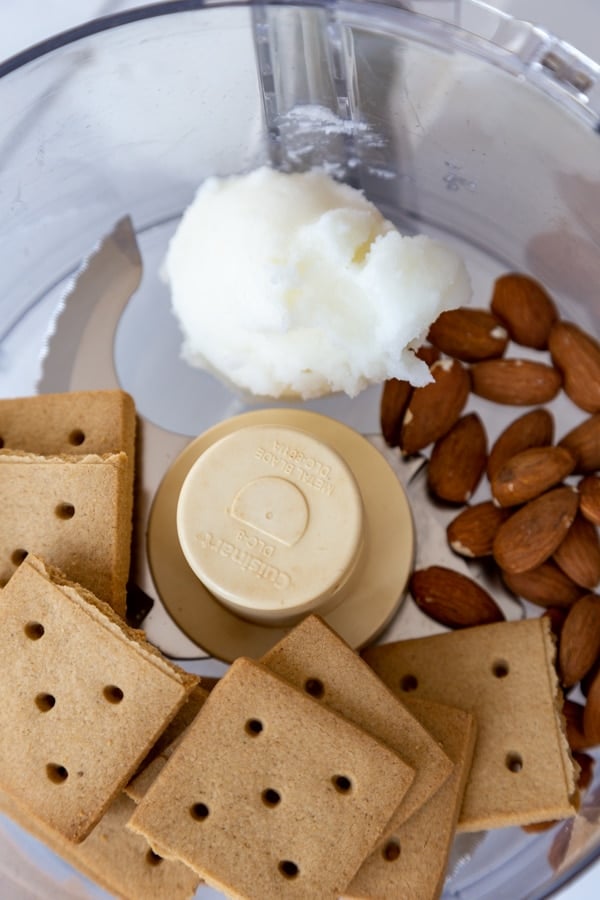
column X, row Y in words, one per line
column 455, row 119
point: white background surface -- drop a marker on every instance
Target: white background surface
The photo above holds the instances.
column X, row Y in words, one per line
column 25, row 22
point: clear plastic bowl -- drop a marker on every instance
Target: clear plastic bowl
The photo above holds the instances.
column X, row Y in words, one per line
column 455, row 119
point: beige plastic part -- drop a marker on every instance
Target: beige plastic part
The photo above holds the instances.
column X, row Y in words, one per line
column 270, row 520
column 226, row 479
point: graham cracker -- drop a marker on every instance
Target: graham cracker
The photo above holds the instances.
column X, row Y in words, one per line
column 315, row 659
column 71, row 423
column 411, row 862
column 75, row 512
column 84, row 698
column 165, row 745
column 504, row 674
column 116, row 859
column 269, row 794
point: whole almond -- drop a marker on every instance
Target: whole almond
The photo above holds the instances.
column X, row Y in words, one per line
column 458, row 460
column 533, row 533
column 577, row 355
column 579, row 553
column 469, row 334
column 546, row 585
column 434, row 408
column 533, row 429
column 526, row 309
column 473, row 530
column 584, row 443
column 395, row 398
column 589, row 498
column 591, row 713
column 453, row 599
column 580, row 640
column 515, row 382
column 529, row 473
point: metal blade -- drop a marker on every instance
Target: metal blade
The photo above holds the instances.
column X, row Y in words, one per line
column 80, row 343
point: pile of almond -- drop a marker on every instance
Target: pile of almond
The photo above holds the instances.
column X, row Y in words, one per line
column 539, row 525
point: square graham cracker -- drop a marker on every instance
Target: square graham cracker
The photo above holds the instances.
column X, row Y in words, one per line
column 74, row 512
column 271, row 795
column 315, row 659
column 84, row 698
column 411, row 862
column 75, row 422
column 504, row 674
column 112, row 856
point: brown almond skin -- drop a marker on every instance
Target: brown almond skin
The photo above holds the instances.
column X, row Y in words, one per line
column 458, row 460
column 577, row 355
column 591, row 713
column 469, row 334
column 526, row 309
column 515, row 382
column 589, row 498
column 533, row 533
column 395, row 398
column 473, row 530
column 533, row 429
column 556, row 617
column 586, row 765
column 546, row 585
column 580, row 640
column 579, row 553
column 434, row 408
column 573, row 713
column 584, row 443
column 453, row 599
column 529, row 473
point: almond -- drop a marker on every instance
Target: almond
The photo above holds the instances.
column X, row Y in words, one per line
column 434, row 408
column 526, row 309
column 577, row 355
column 452, row 599
column 516, row 382
column 546, row 585
column 395, row 398
column 580, row 640
column 579, row 553
column 533, row 533
column 584, row 443
column 529, row 473
column 473, row 531
column 591, row 713
column 469, row 334
column 586, row 765
column 533, row 429
column 458, row 460
column 589, row 498
column 428, row 354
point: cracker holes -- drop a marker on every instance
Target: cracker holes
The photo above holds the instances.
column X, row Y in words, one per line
column 514, row 762
column 64, row 511
column 199, row 812
column 253, row 727
column 314, row 687
column 152, row 858
column 17, row 556
column 112, row 694
column 288, row 869
column 409, row 683
column 56, row 773
column 391, row 851
column 34, row 631
column 271, row 797
column 45, row 702
column 76, row 437
column 342, row 784
column 500, row 668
